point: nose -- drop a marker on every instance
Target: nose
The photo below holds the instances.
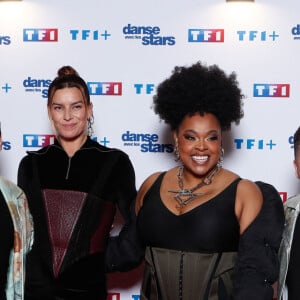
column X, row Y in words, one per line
column 67, row 114
column 201, row 145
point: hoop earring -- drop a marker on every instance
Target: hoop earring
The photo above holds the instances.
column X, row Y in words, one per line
column 221, row 159
column 90, row 130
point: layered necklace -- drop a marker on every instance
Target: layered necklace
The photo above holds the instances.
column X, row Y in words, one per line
column 184, row 196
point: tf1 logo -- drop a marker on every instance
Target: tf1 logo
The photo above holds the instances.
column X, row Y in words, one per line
column 105, row 88
column 206, row 35
column 40, row 35
column 271, row 90
column 38, row 140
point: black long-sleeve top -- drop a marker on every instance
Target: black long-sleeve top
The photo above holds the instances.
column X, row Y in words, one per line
column 100, row 179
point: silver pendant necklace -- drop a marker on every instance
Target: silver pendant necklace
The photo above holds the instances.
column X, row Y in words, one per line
column 184, row 196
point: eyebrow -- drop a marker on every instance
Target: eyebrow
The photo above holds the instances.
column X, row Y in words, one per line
column 73, row 103
column 208, row 132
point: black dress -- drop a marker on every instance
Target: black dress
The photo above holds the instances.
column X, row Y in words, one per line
column 200, row 254
column 73, row 203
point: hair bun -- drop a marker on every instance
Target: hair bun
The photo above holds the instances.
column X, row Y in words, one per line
column 67, row 70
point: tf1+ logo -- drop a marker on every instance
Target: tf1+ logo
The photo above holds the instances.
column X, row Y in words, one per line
column 271, row 90
column 253, row 35
column 40, row 35
column 38, row 140
column 251, row 144
column 206, row 35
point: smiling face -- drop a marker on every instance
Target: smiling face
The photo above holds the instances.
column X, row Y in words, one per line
column 68, row 112
column 199, row 141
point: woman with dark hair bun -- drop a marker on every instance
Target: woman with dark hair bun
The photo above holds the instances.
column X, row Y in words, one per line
column 74, row 187
column 208, row 233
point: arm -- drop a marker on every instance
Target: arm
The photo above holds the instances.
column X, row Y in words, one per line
column 21, row 174
column 130, row 239
column 124, row 251
column 257, row 265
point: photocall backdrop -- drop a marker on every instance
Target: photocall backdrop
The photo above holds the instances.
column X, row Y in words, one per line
column 123, row 49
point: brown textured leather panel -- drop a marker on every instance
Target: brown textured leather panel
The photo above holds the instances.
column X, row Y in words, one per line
column 63, row 209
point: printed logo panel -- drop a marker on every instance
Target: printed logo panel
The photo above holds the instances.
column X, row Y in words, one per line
column 40, row 35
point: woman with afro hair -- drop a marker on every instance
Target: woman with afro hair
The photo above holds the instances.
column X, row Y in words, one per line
column 208, row 233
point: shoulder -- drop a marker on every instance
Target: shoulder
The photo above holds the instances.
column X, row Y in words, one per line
column 94, row 145
column 4, row 182
column 145, row 186
column 249, row 200
column 104, row 155
column 27, row 160
column 148, row 182
column 293, row 202
column 246, row 186
column 37, row 154
column 269, row 222
column 249, row 192
column 272, row 202
column 40, row 151
column 9, row 189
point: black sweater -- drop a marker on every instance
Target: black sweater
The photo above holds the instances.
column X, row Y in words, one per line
column 106, row 178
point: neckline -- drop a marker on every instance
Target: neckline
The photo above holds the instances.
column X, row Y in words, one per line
column 198, row 206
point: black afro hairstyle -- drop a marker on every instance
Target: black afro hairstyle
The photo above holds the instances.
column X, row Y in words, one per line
column 199, row 89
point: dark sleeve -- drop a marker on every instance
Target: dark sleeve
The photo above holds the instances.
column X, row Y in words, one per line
column 23, row 176
column 6, row 243
column 28, row 183
column 257, row 266
column 124, row 251
column 293, row 274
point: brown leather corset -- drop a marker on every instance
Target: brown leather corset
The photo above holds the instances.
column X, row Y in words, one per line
column 171, row 274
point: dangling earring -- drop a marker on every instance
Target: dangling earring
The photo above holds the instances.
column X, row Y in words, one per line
column 90, row 122
column 176, row 152
column 221, row 159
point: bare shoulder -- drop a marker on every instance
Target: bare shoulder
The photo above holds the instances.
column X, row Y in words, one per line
column 248, row 186
column 148, row 182
column 249, row 201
